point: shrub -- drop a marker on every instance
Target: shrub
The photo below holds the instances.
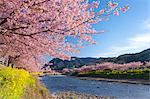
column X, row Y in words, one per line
column 119, row 74
column 13, row 82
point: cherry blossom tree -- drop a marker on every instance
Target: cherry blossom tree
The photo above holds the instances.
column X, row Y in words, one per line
column 107, row 65
column 30, row 29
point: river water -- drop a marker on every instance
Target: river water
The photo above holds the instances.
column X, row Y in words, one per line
column 57, row 84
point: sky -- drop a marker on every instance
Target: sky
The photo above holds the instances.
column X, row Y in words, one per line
column 127, row 33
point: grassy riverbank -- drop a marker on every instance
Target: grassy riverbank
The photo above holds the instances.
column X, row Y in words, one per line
column 19, row 84
column 137, row 76
column 13, row 82
column 36, row 91
column 118, row 74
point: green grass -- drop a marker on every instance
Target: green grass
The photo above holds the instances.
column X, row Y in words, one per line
column 119, row 74
column 13, row 82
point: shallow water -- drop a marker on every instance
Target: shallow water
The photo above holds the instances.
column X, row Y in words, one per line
column 119, row 90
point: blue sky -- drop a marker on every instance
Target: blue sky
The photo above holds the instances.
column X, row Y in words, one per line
column 127, row 33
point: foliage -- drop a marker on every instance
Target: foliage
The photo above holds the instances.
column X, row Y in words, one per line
column 36, row 73
column 103, row 66
column 35, row 28
column 13, row 82
column 119, row 74
column 133, row 70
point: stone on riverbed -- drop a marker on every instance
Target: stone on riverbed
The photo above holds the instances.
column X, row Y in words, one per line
column 74, row 95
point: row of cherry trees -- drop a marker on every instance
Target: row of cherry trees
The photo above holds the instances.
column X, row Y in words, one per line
column 30, row 29
column 108, row 65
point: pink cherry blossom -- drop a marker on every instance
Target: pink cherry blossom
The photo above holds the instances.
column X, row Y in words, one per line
column 116, row 12
column 30, row 29
column 124, row 9
column 108, row 65
column 101, row 12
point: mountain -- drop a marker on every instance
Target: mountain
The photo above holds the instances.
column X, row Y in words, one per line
column 59, row 64
column 74, row 62
column 126, row 58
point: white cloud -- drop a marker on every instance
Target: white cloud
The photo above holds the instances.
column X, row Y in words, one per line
column 134, row 44
column 137, row 43
column 146, row 23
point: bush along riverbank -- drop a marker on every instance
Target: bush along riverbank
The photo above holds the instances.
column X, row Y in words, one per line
column 19, row 84
column 137, row 76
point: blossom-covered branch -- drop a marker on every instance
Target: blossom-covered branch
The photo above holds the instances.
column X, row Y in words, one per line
column 33, row 28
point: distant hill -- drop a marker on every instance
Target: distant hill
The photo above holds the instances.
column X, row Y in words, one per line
column 74, row 62
column 126, row 58
column 59, row 64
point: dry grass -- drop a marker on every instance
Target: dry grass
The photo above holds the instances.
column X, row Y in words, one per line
column 37, row 91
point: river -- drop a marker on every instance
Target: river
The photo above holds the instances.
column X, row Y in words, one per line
column 57, row 84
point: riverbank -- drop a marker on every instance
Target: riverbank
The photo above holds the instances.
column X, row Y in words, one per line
column 74, row 95
column 19, row 84
column 36, row 91
column 39, row 91
column 130, row 81
column 136, row 76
